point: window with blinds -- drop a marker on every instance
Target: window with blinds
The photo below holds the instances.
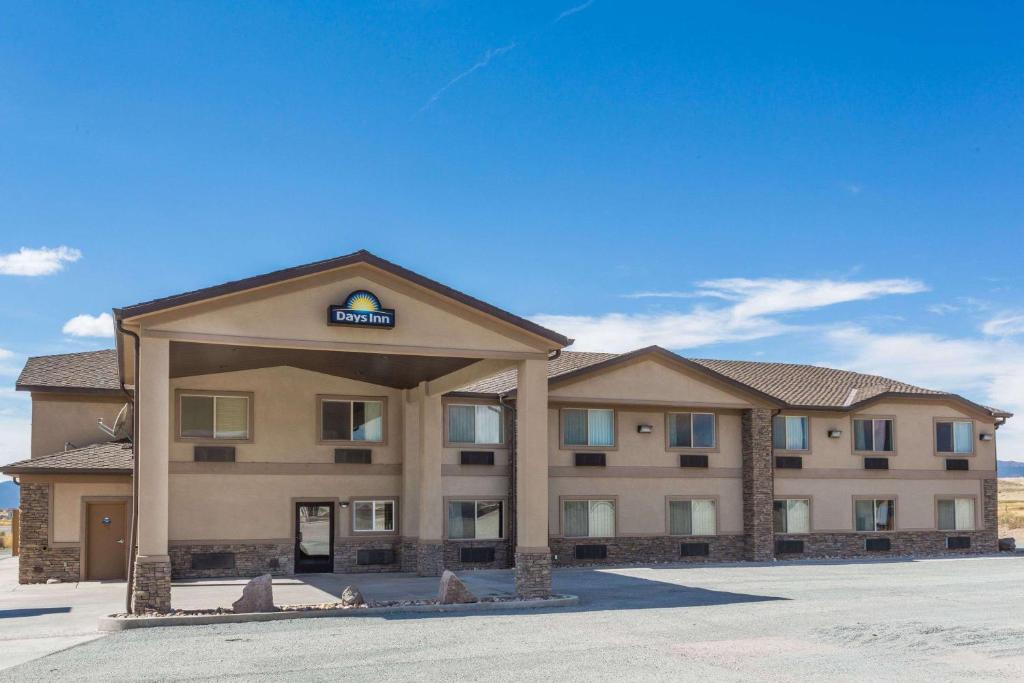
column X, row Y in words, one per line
column 212, row 416
column 694, row 517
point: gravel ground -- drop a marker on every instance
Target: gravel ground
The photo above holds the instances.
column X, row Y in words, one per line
column 931, row 620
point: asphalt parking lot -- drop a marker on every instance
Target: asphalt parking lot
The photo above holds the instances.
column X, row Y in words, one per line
column 934, row 620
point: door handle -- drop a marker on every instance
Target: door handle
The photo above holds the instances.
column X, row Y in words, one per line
column 120, row 540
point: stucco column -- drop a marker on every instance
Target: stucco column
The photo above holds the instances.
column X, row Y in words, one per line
column 430, row 555
column 758, row 485
column 533, row 556
column 152, row 585
column 410, row 504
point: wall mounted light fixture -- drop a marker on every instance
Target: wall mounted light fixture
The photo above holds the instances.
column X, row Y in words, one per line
column 644, row 429
column 985, row 436
column 835, row 433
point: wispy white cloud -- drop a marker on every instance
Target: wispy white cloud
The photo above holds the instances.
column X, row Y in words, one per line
column 480, row 64
column 753, row 312
column 853, row 188
column 1004, row 326
column 574, row 10
column 86, row 325
column 34, row 262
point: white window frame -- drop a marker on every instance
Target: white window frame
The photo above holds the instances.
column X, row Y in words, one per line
column 785, row 433
column 874, row 515
column 351, row 418
column 954, row 452
column 373, row 517
column 182, row 395
column 954, row 499
column 590, row 509
column 714, row 430
column 786, row 501
column 501, row 424
column 476, row 515
column 570, row 446
column 873, row 420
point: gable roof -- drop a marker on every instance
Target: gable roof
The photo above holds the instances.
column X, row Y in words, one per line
column 361, row 256
column 91, row 372
column 791, row 385
column 112, row 457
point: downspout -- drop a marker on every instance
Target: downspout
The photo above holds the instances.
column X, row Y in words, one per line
column 134, row 535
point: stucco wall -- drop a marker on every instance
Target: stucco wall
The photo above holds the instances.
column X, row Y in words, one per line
column 285, row 415
column 297, row 310
column 67, row 504
column 832, row 499
column 914, row 431
column 57, row 419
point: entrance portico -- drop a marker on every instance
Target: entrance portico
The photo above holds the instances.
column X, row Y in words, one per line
column 268, row 344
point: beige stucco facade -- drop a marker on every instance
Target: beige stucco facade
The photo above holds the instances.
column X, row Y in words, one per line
column 70, row 419
column 251, row 344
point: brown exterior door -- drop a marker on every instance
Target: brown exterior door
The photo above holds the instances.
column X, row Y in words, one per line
column 106, row 526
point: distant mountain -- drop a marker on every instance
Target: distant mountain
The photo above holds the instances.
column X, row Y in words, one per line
column 8, row 494
column 1009, row 468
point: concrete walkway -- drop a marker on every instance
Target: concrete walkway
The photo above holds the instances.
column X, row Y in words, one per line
column 39, row 619
column 312, row 589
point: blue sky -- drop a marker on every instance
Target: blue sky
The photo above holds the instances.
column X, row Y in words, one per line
column 791, row 182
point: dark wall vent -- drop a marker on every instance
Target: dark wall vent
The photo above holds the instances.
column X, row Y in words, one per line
column 353, row 456
column 877, row 544
column 590, row 460
column 214, row 453
column 375, row 556
column 958, row 542
column 476, row 457
column 787, row 547
column 876, row 463
column 789, row 462
column 686, row 460
column 957, row 464
column 213, row 560
column 592, row 552
column 694, row 549
column 469, row 555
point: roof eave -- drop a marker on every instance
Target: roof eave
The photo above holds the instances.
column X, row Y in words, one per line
column 45, row 389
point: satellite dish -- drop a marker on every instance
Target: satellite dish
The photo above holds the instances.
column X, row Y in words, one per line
column 122, row 427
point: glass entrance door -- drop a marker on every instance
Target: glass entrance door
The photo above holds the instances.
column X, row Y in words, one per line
column 314, row 537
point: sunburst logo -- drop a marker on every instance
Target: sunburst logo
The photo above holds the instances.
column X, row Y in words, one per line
column 362, row 301
column 361, row 309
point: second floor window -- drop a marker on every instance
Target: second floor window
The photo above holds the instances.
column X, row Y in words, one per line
column 208, row 416
column 475, row 424
column 873, row 434
column 588, row 427
column 875, row 515
column 691, row 430
column 355, row 420
column 789, row 433
column 954, row 436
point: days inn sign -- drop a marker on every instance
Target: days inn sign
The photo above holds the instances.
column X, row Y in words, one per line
column 361, row 309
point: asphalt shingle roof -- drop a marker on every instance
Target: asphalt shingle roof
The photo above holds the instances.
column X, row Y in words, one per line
column 90, row 370
column 112, row 457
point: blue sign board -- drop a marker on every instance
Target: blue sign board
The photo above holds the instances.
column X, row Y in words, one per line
column 361, row 309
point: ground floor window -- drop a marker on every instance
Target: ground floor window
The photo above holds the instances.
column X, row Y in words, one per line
column 792, row 516
column 475, row 519
column 875, row 515
column 956, row 514
column 691, row 517
column 373, row 515
column 593, row 518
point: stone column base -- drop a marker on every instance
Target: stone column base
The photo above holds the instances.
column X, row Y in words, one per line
column 430, row 558
column 152, row 586
column 533, row 573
